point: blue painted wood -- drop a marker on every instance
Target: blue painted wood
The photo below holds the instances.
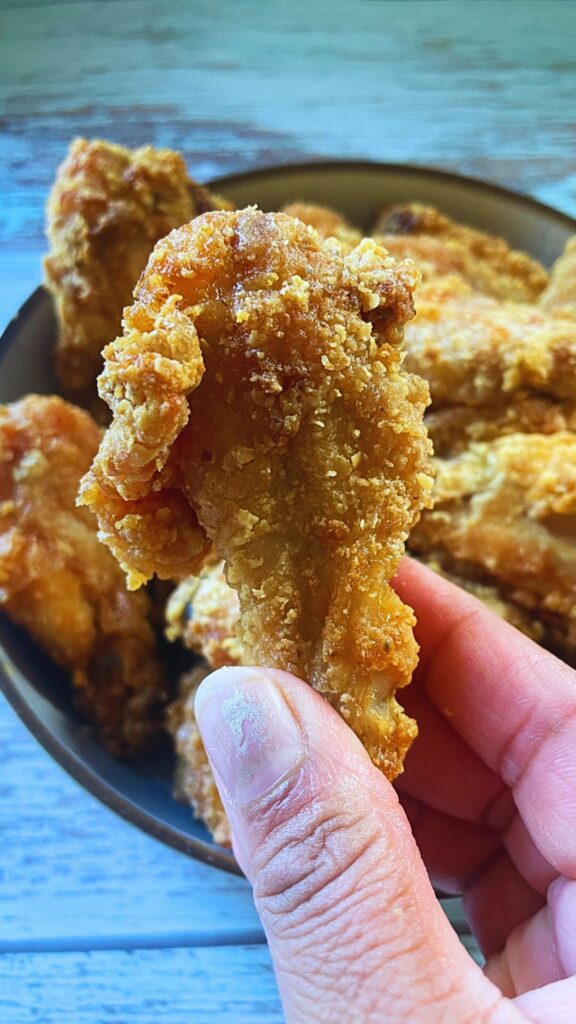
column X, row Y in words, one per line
column 229, row 985
column 478, row 87
column 75, row 876
column 71, row 871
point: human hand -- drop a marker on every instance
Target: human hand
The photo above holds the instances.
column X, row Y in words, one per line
column 340, row 881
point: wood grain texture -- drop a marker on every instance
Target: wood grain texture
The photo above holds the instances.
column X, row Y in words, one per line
column 229, row 985
column 480, row 87
column 74, row 874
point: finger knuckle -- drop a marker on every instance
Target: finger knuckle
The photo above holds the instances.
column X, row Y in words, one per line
column 309, row 867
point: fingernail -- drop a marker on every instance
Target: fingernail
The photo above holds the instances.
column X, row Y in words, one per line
column 249, row 731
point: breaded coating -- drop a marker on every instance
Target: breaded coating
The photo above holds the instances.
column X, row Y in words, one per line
column 505, row 514
column 325, row 221
column 490, row 595
column 453, row 428
column 503, row 373
column 259, row 400
column 492, row 367
column 473, row 349
column 194, row 781
column 203, row 612
column 62, row 585
column 441, row 246
column 560, row 295
column 107, row 208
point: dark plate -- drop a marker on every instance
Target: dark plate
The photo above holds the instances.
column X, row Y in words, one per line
column 39, row 692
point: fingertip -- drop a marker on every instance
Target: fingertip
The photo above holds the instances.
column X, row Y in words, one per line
column 249, row 730
column 320, row 833
column 213, row 684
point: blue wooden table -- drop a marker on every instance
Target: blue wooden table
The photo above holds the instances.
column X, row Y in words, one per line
column 100, row 924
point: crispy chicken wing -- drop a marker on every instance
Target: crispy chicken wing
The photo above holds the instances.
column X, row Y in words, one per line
column 560, row 295
column 473, row 350
column 325, row 221
column 61, row 584
column 499, row 371
column 259, row 401
column 505, row 514
column 453, row 428
column 107, row 208
column 441, row 246
column 194, row 781
column 203, row 612
column 493, row 367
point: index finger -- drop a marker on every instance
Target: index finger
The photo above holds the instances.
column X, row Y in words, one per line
column 513, row 703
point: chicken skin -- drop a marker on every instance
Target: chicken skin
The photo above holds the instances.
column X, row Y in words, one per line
column 493, row 367
column 106, row 210
column 441, row 246
column 260, row 406
column 505, row 515
column 62, row 585
column 194, row 782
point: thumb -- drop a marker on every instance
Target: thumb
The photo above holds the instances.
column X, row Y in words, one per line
column 354, row 928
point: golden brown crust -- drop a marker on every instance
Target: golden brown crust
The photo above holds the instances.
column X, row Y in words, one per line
column 135, row 483
column 328, row 223
column 304, row 455
column 442, row 246
column 494, row 368
column 476, row 351
column 194, row 781
column 503, row 373
column 453, row 428
column 107, row 208
column 505, row 513
column 61, row 584
column 203, row 612
column 560, row 295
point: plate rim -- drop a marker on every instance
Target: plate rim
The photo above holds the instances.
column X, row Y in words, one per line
column 54, row 745
column 413, row 170
column 104, row 791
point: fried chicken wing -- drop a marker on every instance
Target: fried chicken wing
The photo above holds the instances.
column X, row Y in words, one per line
column 259, row 401
column 453, row 428
column 61, row 584
column 560, row 294
column 325, row 221
column 194, row 781
column 441, row 246
column 505, row 514
column 203, row 612
column 473, row 350
column 492, row 367
column 107, row 208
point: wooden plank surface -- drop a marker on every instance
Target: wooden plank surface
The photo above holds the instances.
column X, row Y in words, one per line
column 481, row 87
column 74, row 874
column 228, row 985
